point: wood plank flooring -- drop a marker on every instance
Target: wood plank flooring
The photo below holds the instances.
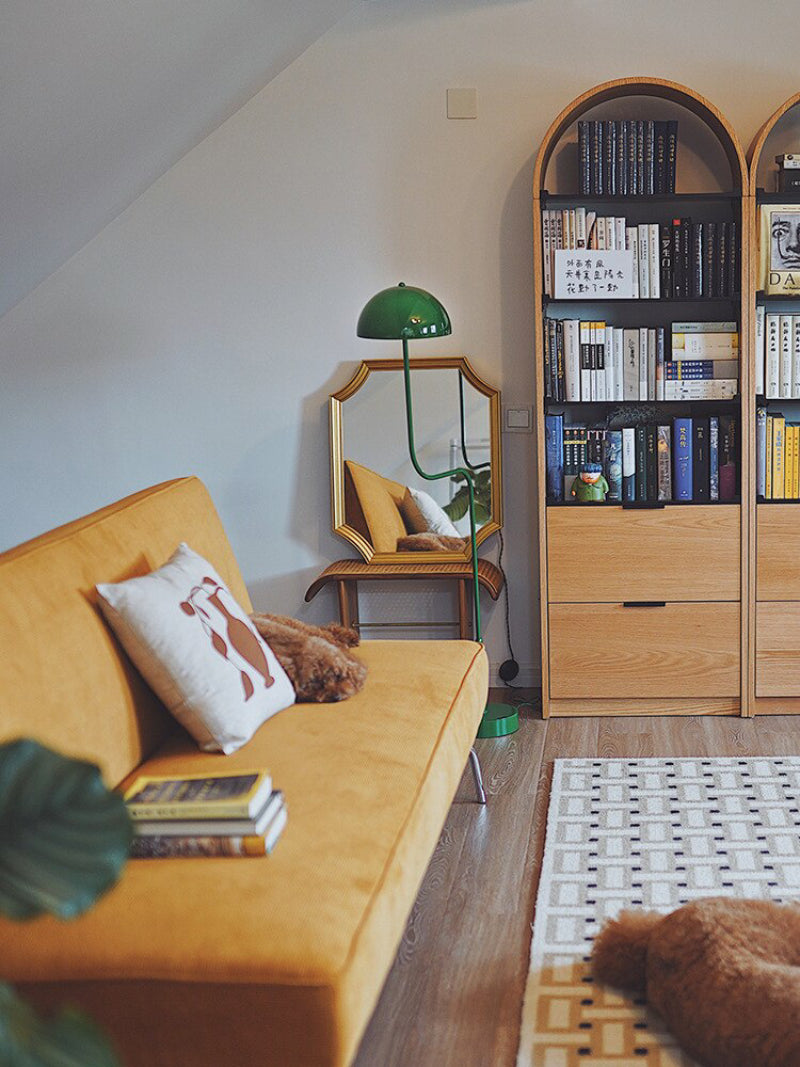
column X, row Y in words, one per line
column 454, row 994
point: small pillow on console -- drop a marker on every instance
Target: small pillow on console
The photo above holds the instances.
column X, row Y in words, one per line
column 435, row 517
column 198, row 650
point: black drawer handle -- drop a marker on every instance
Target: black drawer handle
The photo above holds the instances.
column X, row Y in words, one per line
column 644, row 603
column 643, row 505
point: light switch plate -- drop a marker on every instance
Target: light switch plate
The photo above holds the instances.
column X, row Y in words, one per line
column 462, row 103
column 518, row 420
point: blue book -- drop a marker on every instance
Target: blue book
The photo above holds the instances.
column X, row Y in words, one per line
column 554, row 457
column 713, row 458
column 612, row 463
column 682, row 457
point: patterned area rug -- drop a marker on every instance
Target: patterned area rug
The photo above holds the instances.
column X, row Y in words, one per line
column 654, row 833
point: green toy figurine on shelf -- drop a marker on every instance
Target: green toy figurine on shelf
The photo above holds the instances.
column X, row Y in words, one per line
column 590, row 484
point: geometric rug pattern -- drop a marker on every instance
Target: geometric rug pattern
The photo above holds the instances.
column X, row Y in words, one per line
column 650, row 833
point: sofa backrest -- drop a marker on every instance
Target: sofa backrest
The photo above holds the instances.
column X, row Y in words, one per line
column 64, row 679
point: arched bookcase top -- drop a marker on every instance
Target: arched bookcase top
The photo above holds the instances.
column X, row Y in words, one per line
column 757, row 145
column 660, row 89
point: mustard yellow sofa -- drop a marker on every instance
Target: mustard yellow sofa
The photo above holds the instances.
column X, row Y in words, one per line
column 229, row 962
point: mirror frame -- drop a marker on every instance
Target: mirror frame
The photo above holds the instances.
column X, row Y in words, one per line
column 340, row 527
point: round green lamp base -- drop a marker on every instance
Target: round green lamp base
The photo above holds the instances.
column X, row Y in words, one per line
column 499, row 720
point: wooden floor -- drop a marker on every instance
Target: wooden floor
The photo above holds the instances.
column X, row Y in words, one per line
column 454, row 995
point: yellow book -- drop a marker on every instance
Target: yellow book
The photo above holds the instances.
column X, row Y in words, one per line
column 237, row 795
column 768, row 488
column 778, row 457
column 794, row 492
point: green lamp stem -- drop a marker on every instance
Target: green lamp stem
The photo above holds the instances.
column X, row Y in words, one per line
column 472, row 466
column 467, row 474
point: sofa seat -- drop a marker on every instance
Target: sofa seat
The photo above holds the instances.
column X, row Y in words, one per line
column 177, row 949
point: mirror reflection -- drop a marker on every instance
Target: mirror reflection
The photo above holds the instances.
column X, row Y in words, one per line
column 381, row 503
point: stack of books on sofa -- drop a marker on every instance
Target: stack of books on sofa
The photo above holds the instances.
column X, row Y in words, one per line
column 236, row 814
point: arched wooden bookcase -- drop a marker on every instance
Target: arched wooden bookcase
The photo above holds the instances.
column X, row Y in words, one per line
column 641, row 608
column 774, row 564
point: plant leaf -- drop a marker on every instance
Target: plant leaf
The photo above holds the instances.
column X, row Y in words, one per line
column 64, row 837
column 69, row 1039
column 457, row 508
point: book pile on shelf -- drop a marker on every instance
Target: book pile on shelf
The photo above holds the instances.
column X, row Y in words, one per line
column 236, row 814
column 683, row 459
column 777, row 355
column 788, row 172
column 777, row 457
column 594, row 361
column 627, row 157
column 683, row 259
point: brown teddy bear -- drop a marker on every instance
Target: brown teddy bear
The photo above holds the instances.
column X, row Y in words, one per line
column 316, row 658
column 724, row 975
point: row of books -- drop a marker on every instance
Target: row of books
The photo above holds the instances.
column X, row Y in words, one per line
column 237, row 814
column 777, row 457
column 627, row 157
column 777, row 355
column 687, row 459
column 682, row 259
column 594, row 361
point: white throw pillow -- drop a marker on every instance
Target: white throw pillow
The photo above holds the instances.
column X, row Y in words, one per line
column 435, row 517
column 198, row 650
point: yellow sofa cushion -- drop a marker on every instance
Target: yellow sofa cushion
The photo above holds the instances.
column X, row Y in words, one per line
column 379, row 499
column 299, row 941
column 63, row 677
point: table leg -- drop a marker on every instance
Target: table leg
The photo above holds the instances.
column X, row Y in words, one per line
column 464, row 619
column 342, row 588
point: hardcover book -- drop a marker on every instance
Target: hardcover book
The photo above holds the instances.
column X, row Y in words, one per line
column 612, row 463
column 779, row 249
column 701, row 465
column 682, row 452
column 554, row 457
column 235, row 795
column 211, row 827
column 169, row 847
column 628, row 463
column 665, row 462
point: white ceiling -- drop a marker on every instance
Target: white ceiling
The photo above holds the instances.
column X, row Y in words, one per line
column 99, row 97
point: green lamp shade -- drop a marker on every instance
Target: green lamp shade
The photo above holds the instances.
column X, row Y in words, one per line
column 403, row 312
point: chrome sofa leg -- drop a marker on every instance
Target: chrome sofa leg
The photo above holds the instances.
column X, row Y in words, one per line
column 475, row 763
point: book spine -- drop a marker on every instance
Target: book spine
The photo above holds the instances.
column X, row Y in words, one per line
column 697, row 234
column 554, row 457
column 651, row 445
column 796, row 356
column 622, row 158
column 678, row 281
column 700, row 460
column 192, row 847
column 733, row 286
column 713, row 458
column 682, row 369
column 608, row 351
column 584, row 157
column 728, row 458
column 600, row 361
column 682, row 446
column 580, row 227
column 660, row 180
column 761, row 349
column 612, row 463
column 632, row 244
column 547, row 355
column 630, row 365
column 619, row 369
column 643, row 355
column 702, row 389
column 596, row 151
column 610, row 157
column 709, row 259
column 585, row 334
column 572, row 360
column 785, row 331
column 547, row 253
column 768, row 472
column 641, row 177
column 633, row 187
column 761, row 452
column 641, row 463
column 651, row 363
column 773, row 356
column 672, row 154
column 570, row 455
column 665, row 263
column 686, row 249
column 654, row 260
column 559, row 355
column 628, row 463
column 660, row 361
column 644, row 261
column 778, row 457
column 664, row 462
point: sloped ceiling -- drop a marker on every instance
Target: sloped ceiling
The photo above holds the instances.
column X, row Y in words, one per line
column 99, row 97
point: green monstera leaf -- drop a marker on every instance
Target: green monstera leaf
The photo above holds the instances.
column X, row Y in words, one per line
column 458, row 507
column 69, row 1039
column 64, row 837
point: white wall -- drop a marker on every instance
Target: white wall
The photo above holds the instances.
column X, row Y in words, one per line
column 203, row 330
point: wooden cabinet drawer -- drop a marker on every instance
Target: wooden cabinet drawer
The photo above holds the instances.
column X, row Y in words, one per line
column 679, row 650
column 778, row 552
column 613, row 554
column 777, row 649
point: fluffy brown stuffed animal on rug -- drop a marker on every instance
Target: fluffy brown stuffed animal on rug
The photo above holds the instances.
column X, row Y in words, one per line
column 430, row 542
column 723, row 974
column 316, row 658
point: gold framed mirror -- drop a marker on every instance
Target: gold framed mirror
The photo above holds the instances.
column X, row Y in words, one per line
column 456, row 424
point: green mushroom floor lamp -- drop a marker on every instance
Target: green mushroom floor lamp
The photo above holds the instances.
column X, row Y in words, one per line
column 403, row 313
